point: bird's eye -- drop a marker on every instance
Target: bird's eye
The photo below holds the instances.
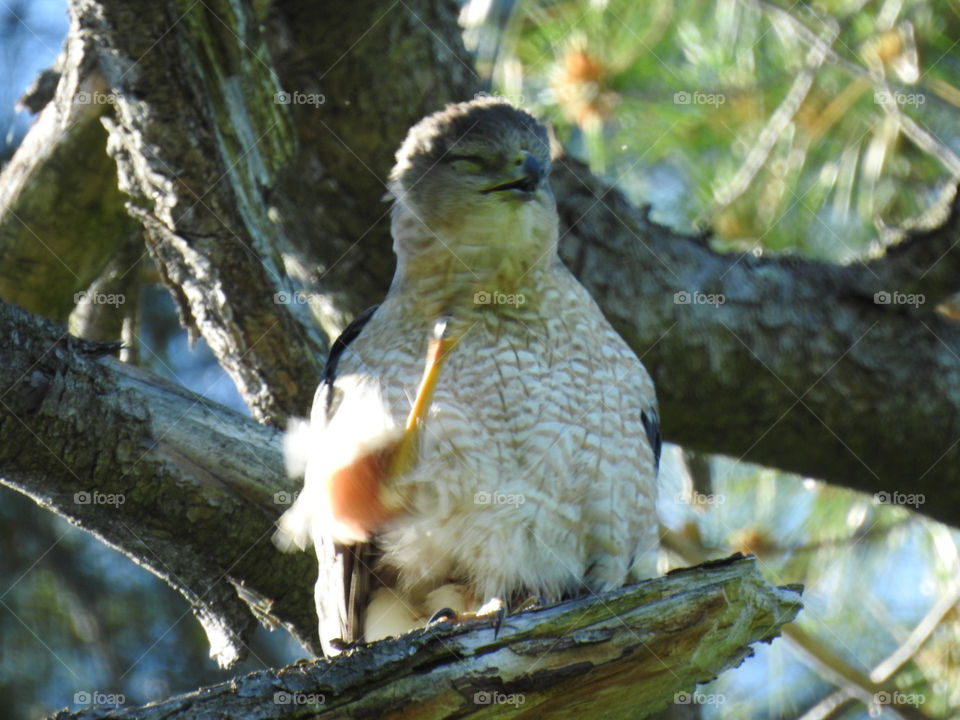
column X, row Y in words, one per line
column 467, row 163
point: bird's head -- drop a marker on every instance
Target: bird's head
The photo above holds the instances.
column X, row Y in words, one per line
column 471, row 192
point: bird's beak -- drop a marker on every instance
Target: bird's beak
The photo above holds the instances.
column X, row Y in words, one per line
column 525, row 179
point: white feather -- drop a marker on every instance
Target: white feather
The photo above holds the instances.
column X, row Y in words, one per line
column 296, row 447
column 317, row 449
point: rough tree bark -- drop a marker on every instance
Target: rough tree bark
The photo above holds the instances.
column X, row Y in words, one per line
column 184, row 487
column 625, row 653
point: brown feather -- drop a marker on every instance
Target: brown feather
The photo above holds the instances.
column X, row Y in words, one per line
column 354, row 491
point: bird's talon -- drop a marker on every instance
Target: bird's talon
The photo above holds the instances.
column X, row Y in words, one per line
column 441, row 615
column 531, row 603
column 500, row 616
column 495, row 608
column 340, row 645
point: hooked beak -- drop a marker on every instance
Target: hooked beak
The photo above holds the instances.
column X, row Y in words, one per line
column 528, row 179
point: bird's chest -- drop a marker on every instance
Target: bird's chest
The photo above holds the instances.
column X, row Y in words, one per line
column 519, row 406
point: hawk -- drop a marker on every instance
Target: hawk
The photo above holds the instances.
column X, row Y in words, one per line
column 483, row 436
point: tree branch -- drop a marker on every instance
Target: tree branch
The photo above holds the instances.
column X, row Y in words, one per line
column 183, row 486
column 783, row 361
column 631, row 650
column 61, row 213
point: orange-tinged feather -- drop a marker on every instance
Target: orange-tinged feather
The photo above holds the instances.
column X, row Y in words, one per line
column 354, row 491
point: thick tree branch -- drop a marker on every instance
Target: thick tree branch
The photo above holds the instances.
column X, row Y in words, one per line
column 215, row 167
column 195, row 147
column 782, row 361
column 632, row 651
column 181, row 485
column 61, row 213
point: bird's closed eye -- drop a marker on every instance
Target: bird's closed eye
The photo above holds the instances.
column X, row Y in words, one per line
column 467, row 163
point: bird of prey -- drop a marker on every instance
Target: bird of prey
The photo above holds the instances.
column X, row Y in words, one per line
column 483, row 436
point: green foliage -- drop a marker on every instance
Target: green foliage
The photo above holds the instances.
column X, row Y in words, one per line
column 874, row 573
column 788, row 128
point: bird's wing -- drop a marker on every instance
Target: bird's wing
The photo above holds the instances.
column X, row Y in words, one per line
column 303, row 438
column 343, row 577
